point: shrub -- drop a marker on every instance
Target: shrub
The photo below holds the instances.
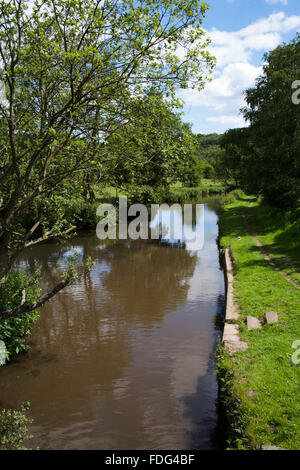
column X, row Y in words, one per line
column 144, row 195
column 230, row 405
column 208, row 171
column 14, row 428
column 14, row 330
column 184, row 195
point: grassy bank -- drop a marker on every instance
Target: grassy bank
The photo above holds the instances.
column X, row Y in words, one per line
column 176, row 193
column 205, row 188
column 259, row 388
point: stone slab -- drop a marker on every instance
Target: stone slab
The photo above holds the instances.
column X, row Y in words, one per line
column 231, row 308
column 269, row 447
column 253, row 323
column 230, row 332
column 231, row 338
column 272, row 317
column 236, row 346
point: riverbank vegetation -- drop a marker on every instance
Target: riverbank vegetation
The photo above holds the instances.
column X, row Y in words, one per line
column 87, row 96
column 259, row 387
column 14, row 428
column 90, row 113
column 90, row 97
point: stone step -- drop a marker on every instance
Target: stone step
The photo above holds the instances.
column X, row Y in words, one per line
column 272, row 317
column 253, row 323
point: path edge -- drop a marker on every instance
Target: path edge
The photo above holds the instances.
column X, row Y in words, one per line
column 231, row 333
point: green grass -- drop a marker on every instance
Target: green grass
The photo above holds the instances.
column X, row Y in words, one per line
column 176, row 192
column 280, row 237
column 261, row 385
column 212, row 186
column 207, row 186
column 107, row 193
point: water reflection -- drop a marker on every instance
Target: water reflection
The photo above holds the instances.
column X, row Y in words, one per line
column 123, row 359
column 178, row 227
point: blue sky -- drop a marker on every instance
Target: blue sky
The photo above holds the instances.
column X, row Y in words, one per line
column 241, row 32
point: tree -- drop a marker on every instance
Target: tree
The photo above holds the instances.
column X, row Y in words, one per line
column 208, row 148
column 230, row 162
column 272, row 162
column 70, row 69
column 208, row 171
column 154, row 148
column 191, row 171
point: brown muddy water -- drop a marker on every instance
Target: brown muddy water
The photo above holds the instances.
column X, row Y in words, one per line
column 125, row 358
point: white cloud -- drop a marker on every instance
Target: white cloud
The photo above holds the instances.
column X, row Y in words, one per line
column 228, row 120
column 224, row 95
column 263, row 34
column 283, row 2
column 226, row 89
column 234, row 50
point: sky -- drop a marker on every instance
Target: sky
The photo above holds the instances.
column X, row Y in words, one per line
column 241, row 32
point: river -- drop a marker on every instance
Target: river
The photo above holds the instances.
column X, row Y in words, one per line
column 124, row 359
